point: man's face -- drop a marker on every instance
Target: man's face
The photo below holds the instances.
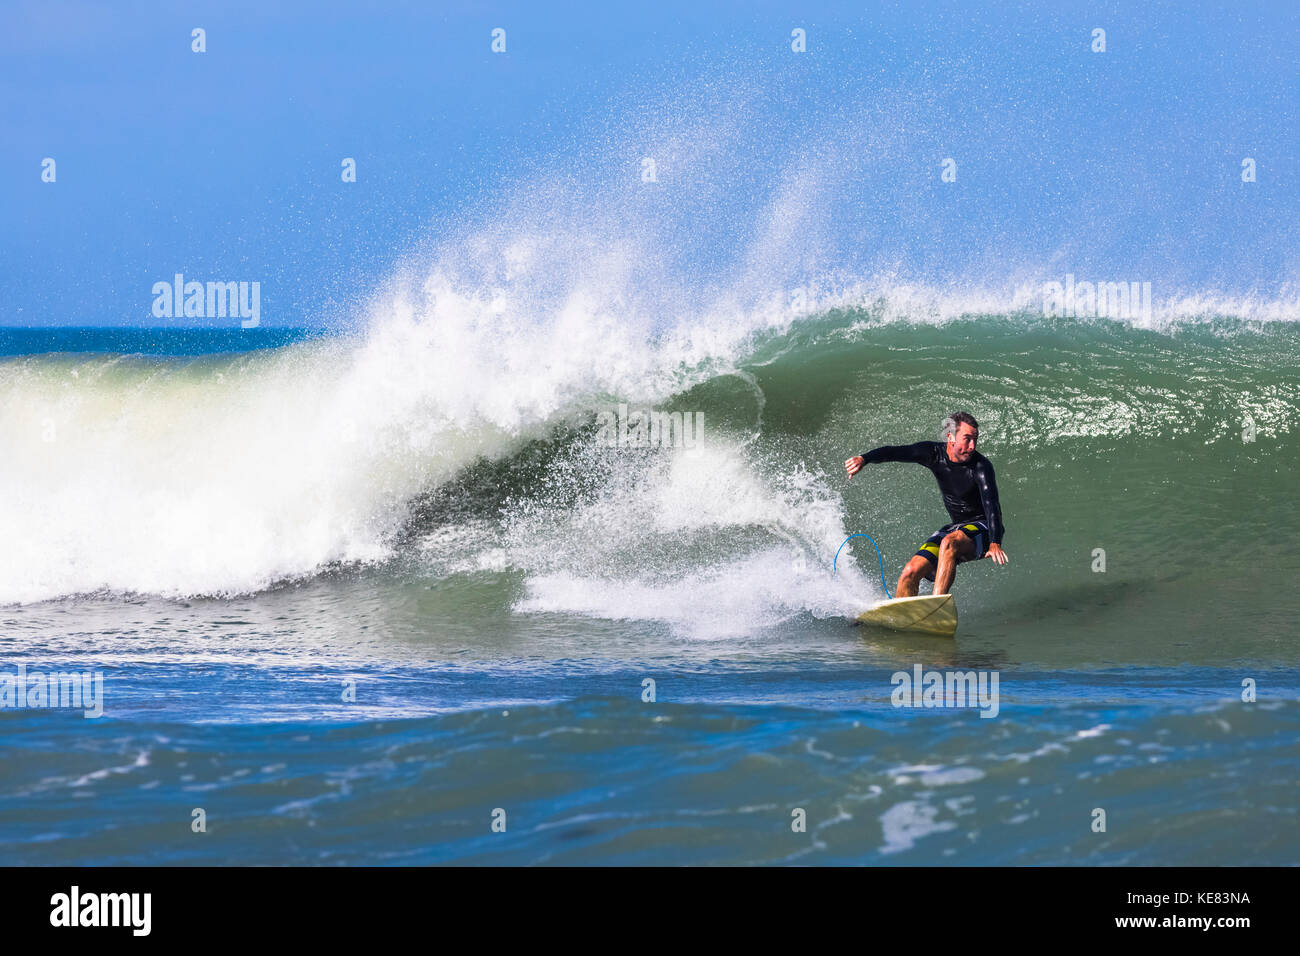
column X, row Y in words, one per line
column 961, row 443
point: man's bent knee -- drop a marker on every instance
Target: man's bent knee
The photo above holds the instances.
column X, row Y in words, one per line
column 954, row 541
column 918, row 568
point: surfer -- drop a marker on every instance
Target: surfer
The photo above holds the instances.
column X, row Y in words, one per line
column 970, row 494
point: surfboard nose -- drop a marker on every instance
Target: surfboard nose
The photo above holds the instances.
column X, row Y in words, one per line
column 924, row 614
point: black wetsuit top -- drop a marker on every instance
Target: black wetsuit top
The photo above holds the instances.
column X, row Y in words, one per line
column 969, row 489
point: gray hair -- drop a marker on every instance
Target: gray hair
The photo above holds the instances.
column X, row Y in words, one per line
column 954, row 421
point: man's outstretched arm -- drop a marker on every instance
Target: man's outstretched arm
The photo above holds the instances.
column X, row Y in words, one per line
column 918, row 453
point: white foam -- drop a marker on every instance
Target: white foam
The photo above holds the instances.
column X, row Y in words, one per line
column 905, row 823
column 645, row 547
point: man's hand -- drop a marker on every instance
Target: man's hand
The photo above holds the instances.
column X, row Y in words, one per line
column 996, row 553
column 854, row 465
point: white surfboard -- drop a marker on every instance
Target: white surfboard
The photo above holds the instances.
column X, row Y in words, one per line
column 925, row 614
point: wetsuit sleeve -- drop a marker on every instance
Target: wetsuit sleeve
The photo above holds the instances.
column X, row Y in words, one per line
column 920, row 453
column 989, row 499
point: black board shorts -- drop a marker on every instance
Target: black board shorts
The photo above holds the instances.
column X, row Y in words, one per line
column 976, row 530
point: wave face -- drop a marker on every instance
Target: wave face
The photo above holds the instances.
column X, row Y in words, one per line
column 464, row 438
column 455, row 429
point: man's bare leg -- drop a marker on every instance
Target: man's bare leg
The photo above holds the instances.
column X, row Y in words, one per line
column 955, row 546
column 913, row 572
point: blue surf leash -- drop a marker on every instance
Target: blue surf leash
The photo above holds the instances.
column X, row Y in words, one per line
column 835, row 563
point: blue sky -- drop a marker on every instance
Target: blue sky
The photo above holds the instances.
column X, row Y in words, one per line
column 225, row 164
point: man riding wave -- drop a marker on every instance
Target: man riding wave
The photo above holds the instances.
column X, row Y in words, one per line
column 970, row 494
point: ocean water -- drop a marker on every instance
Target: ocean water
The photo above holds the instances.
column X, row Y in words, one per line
column 357, row 596
column 375, row 582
